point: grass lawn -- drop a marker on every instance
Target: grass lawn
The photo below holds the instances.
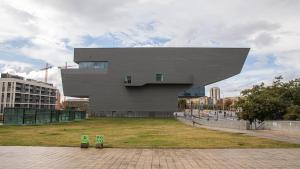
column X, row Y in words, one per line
column 131, row 133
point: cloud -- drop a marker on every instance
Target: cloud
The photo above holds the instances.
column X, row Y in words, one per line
column 285, row 65
column 14, row 66
column 16, row 23
column 264, row 39
column 29, row 71
column 48, row 31
column 51, row 54
column 289, row 59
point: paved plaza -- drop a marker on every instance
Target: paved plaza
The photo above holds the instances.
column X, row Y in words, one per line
column 286, row 136
column 67, row 157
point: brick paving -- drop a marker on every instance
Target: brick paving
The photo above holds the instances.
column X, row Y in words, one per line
column 114, row 158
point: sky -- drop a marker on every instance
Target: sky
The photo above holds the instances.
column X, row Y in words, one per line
column 36, row 32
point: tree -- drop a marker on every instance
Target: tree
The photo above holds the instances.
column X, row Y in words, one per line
column 271, row 102
column 182, row 104
column 293, row 113
column 227, row 103
column 219, row 104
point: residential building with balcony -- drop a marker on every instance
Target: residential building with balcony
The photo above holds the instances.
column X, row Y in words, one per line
column 18, row 92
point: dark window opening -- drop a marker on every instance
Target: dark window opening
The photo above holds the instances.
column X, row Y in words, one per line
column 127, row 79
column 159, row 77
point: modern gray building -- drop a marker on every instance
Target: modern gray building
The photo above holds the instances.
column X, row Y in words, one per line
column 146, row 80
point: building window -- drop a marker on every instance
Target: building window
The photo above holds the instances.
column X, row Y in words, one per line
column 127, row 79
column 2, row 98
column 8, row 86
column 3, row 86
column 159, row 77
column 93, row 65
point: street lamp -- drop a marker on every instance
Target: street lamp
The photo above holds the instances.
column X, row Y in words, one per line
column 223, row 102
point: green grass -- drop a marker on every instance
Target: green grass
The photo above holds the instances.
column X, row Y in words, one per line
column 131, row 133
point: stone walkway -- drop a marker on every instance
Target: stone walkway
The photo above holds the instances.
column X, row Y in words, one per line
column 291, row 137
column 66, row 157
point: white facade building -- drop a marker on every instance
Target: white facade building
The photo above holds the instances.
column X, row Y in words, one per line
column 15, row 91
column 204, row 100
column 214, row 94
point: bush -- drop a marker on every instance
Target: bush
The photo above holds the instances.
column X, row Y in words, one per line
column 292, row 113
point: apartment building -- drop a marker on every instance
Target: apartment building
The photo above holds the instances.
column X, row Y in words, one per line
column 214, row 94
column 18, row 92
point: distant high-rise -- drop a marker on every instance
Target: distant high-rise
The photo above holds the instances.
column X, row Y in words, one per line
column 214, row 94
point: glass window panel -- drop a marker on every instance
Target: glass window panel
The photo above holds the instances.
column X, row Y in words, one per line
column 93, row 65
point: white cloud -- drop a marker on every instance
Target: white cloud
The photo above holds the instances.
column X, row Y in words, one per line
column 48, row 51
column 28, row 71
column 14, row 66
column 269, row 27
column 289, row 59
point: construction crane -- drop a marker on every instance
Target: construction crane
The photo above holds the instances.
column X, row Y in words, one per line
column 46, row 71
column 48, row 66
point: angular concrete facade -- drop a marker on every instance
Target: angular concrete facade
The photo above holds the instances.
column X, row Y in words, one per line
column 180, row 68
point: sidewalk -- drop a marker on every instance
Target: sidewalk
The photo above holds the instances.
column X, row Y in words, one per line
column 74, row 158
column 291, row 137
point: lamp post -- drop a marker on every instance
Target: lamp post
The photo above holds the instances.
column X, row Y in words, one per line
column 223, row 99
column 191, row 104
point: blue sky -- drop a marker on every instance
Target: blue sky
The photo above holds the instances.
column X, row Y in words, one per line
column 35, row 32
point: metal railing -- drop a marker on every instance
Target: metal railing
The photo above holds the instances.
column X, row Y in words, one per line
column 133, row 114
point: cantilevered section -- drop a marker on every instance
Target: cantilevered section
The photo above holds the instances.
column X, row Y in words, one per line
column 146, row 79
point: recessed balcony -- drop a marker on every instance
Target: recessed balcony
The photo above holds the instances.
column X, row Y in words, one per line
column 130, row 81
